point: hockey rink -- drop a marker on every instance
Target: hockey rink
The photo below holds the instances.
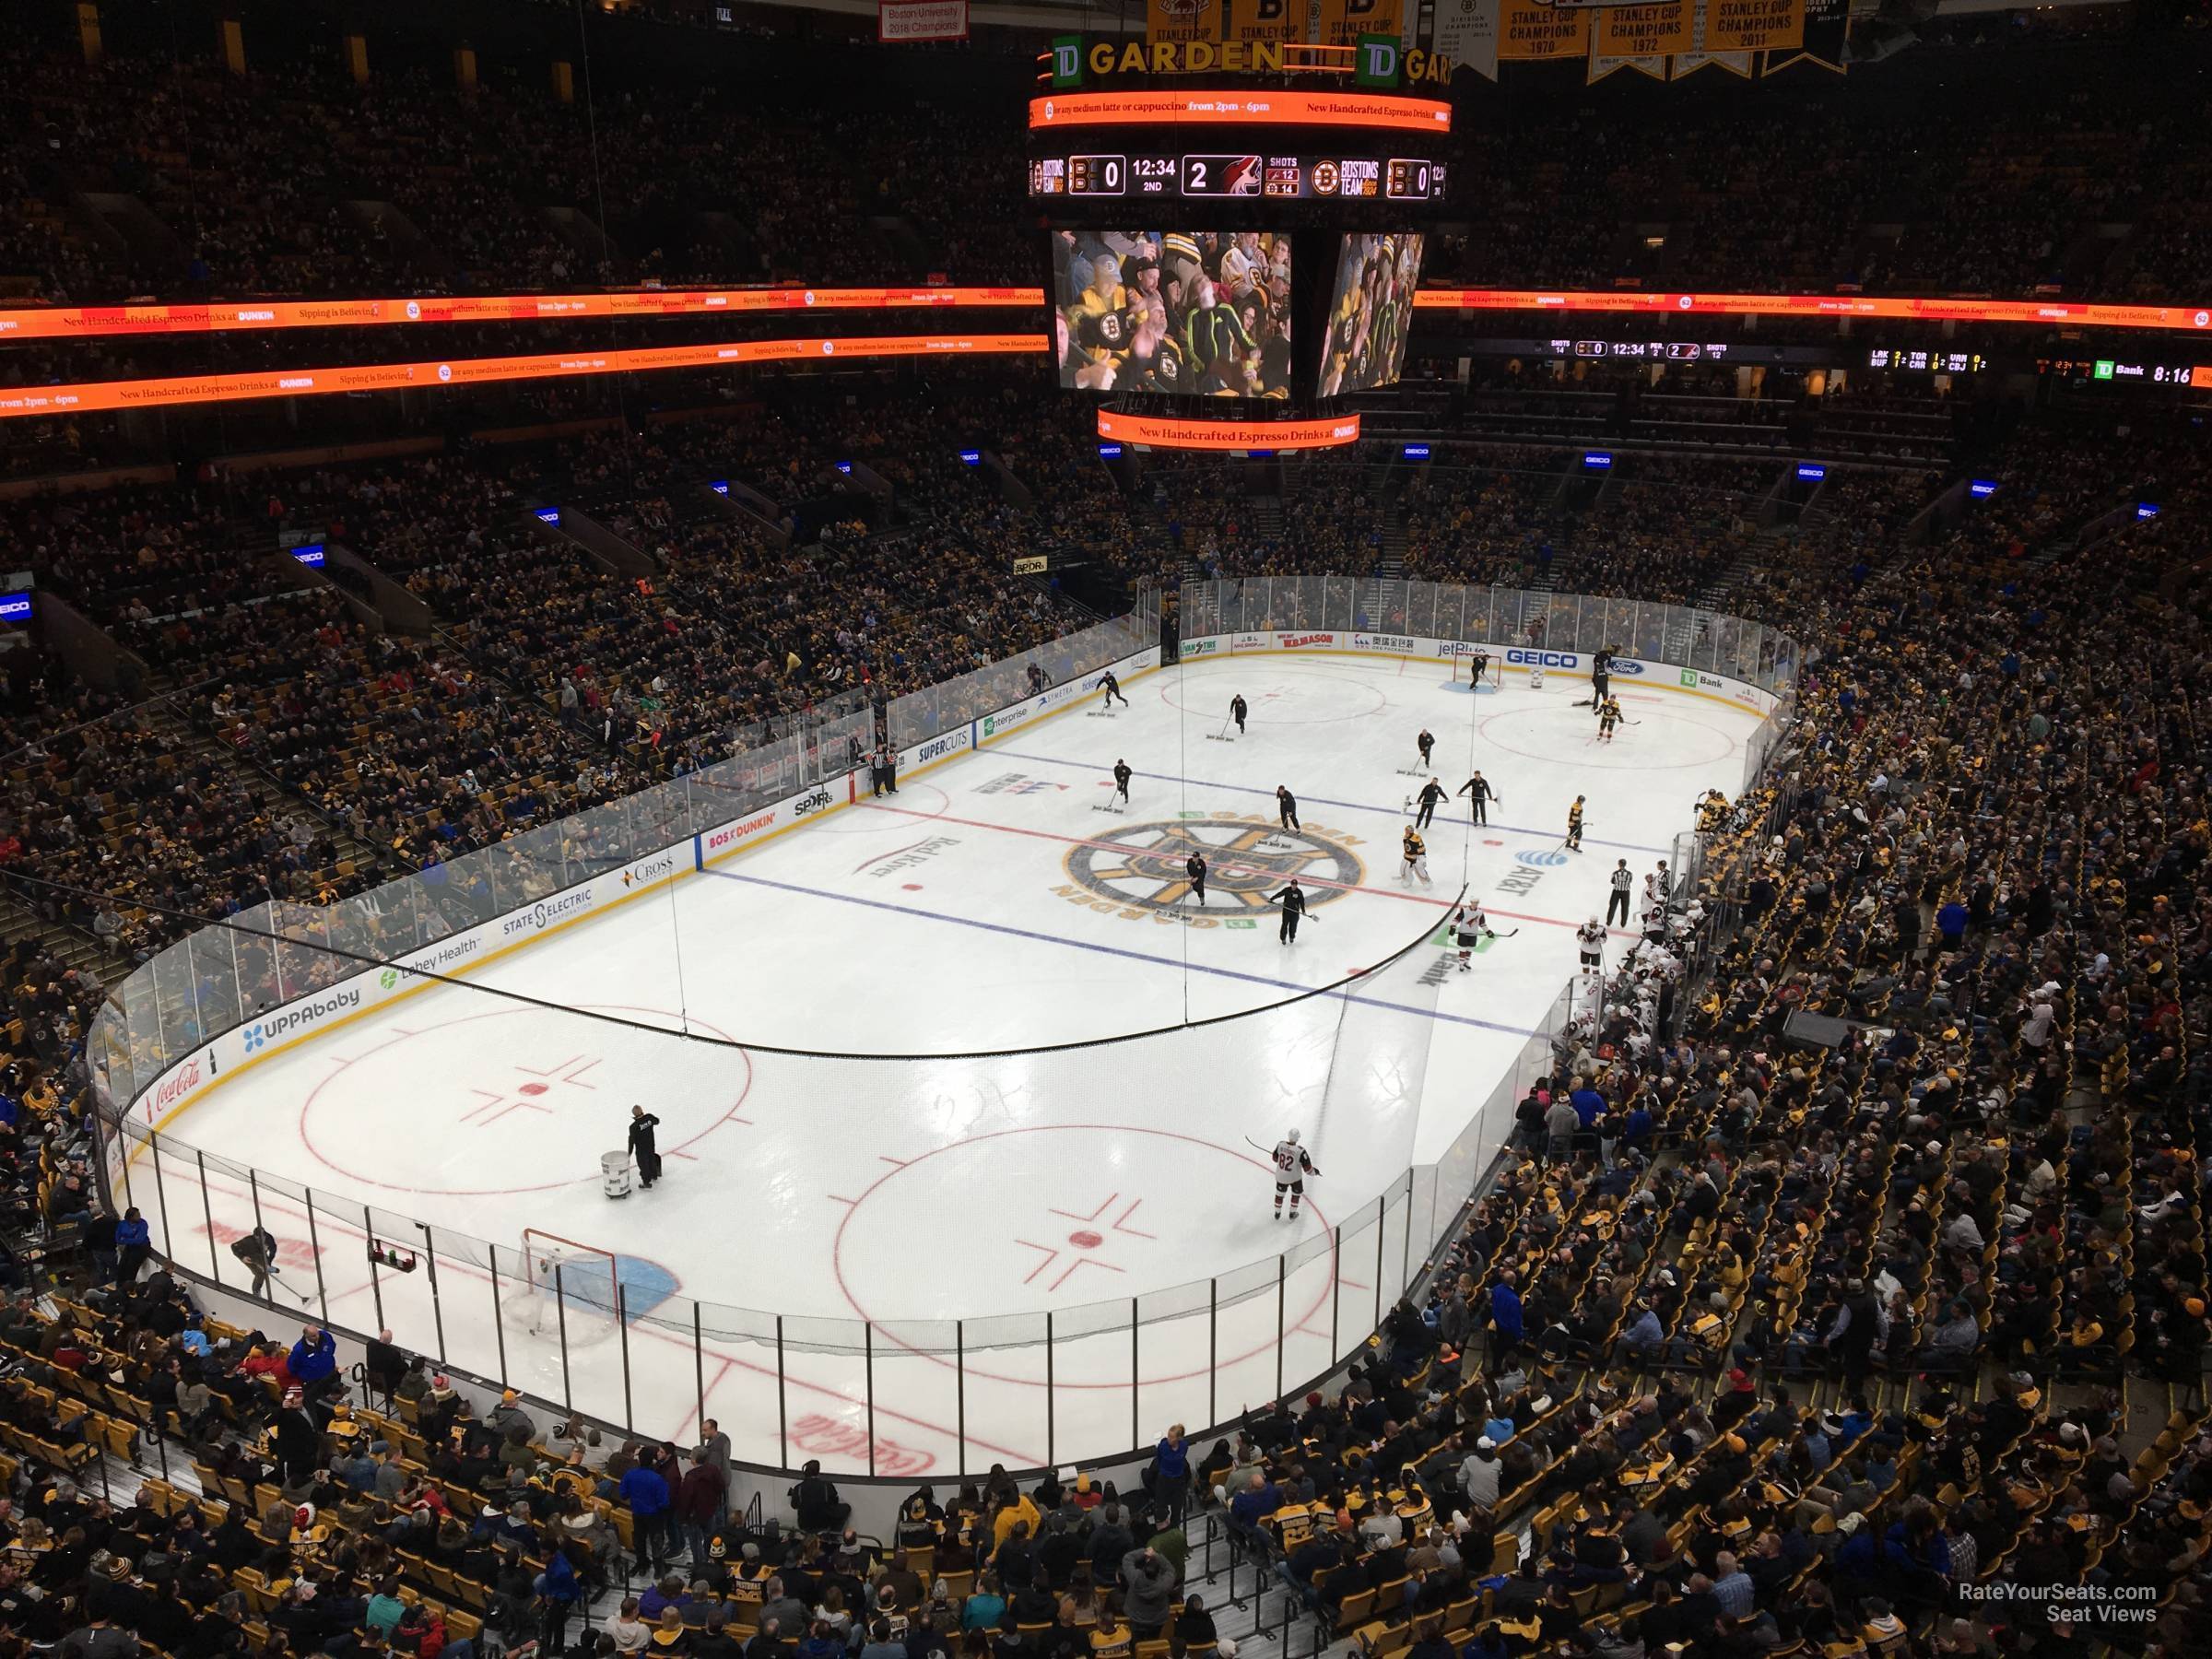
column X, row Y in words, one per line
column 855, row 1257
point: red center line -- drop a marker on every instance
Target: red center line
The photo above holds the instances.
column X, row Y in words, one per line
column 1319, row 881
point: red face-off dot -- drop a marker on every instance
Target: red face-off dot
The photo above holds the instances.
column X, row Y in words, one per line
column 1085, row 1240
column 531, row 1089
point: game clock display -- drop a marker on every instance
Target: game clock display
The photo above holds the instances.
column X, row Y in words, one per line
column 1306, row 176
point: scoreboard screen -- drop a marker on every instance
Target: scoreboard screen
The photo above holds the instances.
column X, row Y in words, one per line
column 1301, row 175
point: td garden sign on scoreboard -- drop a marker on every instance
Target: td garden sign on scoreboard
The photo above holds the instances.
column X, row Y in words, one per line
column 1361, row 43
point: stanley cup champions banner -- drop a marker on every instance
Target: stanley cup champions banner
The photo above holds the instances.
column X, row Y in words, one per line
column 1530, row 31
column 1640, row 38
column 1278, row 22
column 1344, row 22
column 1183, row 20
column 1753, row 25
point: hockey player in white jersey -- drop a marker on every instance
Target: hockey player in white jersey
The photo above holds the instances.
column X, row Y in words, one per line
column 1292, row 1165
column 1590, row 938
column 1469, row 925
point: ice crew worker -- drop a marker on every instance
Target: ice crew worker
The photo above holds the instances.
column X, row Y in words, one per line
column 1287, row 806
column 1292, row 897
column 1195, row 868
column 1601, row 676
column 1431, row 797
column 1236, row 708
column 1479, row 796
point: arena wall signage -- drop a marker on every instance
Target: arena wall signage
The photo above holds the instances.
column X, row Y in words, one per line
column 1570, row 664
column 93, row 395
column 1166, row 431
column 86, row 321
column 2037, row 313
column 1242, row 107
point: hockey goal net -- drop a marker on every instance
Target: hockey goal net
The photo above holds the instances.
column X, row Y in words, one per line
column 1488, row 678
column 566, row 1288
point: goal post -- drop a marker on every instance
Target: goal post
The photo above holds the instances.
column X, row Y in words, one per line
column 566, row 1287
column 1462, row 674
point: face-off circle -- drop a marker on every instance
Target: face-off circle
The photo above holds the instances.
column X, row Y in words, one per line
column 1098, row 1217
column 1144, row 864
column 517, row 1099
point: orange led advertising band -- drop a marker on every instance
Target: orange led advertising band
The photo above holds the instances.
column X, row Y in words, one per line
column 90, row 321
column 86, row 321
column 1241, row 109
column 2073, row 313
column 478, row 371
column 1161, row 431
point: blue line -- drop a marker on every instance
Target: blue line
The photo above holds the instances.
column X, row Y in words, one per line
column 1112, row 950
column 1317, row 800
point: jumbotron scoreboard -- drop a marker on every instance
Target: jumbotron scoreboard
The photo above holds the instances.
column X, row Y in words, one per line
column 1230, row 258
column 1232, row 145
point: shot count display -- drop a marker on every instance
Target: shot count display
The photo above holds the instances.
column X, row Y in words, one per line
column 1305, row 175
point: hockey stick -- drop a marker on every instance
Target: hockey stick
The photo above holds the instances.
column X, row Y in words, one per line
column 274, row 1275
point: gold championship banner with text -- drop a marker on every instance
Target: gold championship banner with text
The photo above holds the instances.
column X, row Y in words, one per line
column 1630, row 31
column 1344, row 22
column 1183, row 20
column 1754, row 25
column 1274, row 22
column 1528, row 31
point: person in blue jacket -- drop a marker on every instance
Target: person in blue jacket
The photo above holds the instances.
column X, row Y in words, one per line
column 1171, row 1477
column 134, row 1244
column 1505, row 1318
column 647, row 1494
column 315, row 1361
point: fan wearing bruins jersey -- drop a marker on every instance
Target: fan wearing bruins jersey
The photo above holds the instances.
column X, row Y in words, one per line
column 1415, row 860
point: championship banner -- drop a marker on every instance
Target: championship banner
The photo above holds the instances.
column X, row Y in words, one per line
column 1640, row 38
column 1344, row 22
column 1754, row 25
column 1698, row 56
column 1826, row 27
column 1183, row 20
column 1275, row 22
column 1531, row 30
column 1466, row 32
column 920, row 19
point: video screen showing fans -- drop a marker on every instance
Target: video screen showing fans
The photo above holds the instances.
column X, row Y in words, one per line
column 1203, row 312
column 1370, row 311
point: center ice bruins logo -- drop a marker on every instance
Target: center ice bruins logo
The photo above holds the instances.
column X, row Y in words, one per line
column 1142, row 865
